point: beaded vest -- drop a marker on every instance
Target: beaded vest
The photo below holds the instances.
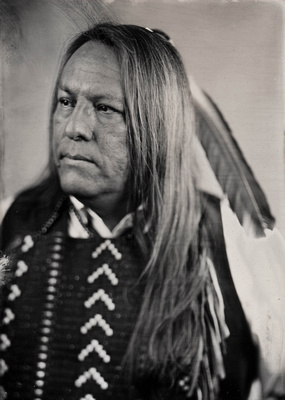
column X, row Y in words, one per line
column 70, row 309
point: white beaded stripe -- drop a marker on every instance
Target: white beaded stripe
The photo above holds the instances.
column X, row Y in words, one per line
column 9, row 316
column 40, row 383
column 15, row 292
column 97, row 320
column 92, row 373
column 39, row 392
column 46, row 324
column 21, row 268
column 88, row 397
column 94, row 345
column 4, row 342
column 107, row 245
column 3, row 367
column 105, row 269
column 100, row 295
column 54, row 272
column 27, row 243
column 41, row 368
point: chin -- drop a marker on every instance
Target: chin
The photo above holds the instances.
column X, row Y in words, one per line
column 75, row 190
column 77, row 187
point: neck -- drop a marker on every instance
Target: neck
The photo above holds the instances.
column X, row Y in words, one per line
column 109, row 209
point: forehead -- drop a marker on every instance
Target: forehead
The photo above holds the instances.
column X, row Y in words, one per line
column 91, row 64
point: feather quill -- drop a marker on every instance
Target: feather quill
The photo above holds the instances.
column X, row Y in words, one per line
column 232, row 171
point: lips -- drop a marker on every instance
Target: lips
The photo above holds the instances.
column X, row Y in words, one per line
column 76, row 157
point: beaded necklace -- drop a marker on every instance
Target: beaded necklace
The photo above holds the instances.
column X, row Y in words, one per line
column 55, row 214
column 53, row 217
column 87, row 227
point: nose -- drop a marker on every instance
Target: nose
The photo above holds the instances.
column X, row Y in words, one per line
column 79, row 125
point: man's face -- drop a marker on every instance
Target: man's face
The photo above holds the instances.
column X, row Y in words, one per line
column 89, row 130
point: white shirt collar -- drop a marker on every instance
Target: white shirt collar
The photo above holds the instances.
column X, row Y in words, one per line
column 76, row 230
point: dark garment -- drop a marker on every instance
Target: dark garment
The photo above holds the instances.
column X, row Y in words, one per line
column 71, row 306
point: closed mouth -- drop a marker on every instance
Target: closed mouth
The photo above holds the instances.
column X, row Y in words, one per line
column 76, row 157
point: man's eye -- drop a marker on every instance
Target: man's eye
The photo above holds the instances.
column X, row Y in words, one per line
column 105, row 109
column 66, row 102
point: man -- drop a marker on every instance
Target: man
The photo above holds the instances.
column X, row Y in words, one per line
column 120, row 285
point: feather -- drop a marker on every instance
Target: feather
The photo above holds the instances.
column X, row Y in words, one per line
column 232, row 171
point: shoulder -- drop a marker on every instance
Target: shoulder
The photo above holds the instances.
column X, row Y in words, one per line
column 26, row 214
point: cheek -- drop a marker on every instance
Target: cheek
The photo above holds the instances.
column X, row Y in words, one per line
column 56, row 135
column 55, row 152
column 58, row 121
column 56, row 125
column 121, row 165
column 118, row 154
column 54, row 142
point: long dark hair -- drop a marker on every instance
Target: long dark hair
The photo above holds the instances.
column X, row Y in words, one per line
column 160, row 124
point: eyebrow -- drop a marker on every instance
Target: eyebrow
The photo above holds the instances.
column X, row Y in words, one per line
column 64, row 88
column 106, row 95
